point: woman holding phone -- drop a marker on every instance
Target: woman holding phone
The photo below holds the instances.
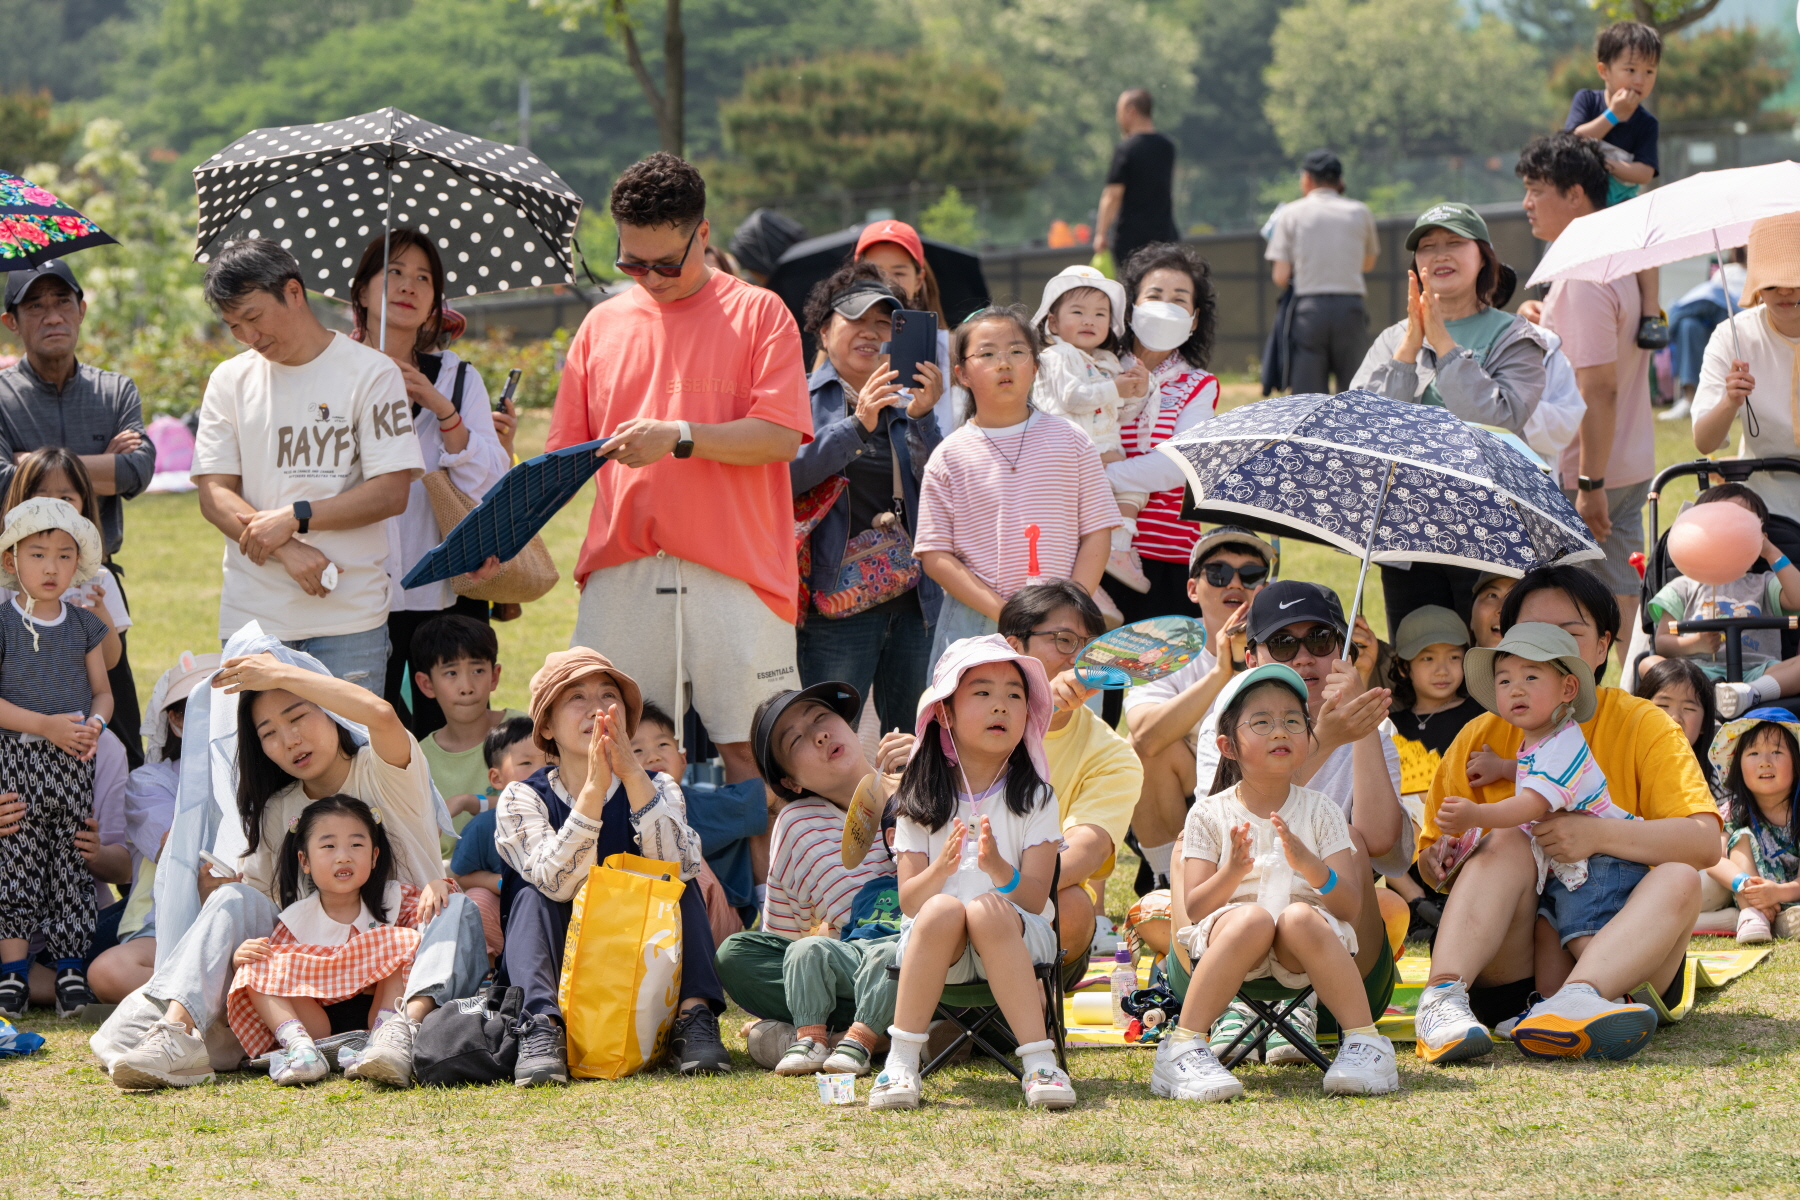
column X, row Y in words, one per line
column 896, row 248
column 456, row 431
column 867, row 430
column 1460, row 350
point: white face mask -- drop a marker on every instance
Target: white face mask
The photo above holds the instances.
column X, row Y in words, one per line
column 1160, row 325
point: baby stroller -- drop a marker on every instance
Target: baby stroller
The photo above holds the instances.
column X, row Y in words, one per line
column 1659, row 570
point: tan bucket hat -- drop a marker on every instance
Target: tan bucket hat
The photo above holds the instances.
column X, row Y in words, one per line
column 40, row 513
column 1534, row 641
column 1774, row 256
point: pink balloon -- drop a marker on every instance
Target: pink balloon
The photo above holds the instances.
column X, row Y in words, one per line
column 1715, row 543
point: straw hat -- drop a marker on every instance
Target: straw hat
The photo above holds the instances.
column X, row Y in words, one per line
column 40, row 513
column 1774, row 256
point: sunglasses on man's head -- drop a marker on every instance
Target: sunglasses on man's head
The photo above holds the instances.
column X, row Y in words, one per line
column 1219, row 573
column 1283, row 647
column 638, row 270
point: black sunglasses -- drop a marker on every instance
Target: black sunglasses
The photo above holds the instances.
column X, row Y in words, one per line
column 1219, row 573
column 638, row 270
column 1282, row 647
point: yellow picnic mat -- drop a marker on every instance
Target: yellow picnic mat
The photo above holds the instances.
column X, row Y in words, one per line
column 1704, row 969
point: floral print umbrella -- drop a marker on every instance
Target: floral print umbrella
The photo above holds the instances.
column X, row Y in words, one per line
column 1386, row 480
column 35, row 226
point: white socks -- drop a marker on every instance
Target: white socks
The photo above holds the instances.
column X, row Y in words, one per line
column 1122, row 534
column 291, row 1034
column 1766, row 689
column 1037, row 1055
column 1158, row 857
column 904, row 1052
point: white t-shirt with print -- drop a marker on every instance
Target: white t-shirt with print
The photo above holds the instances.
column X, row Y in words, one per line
column 1013, row 835
column 307, row 433
column 1311, row 816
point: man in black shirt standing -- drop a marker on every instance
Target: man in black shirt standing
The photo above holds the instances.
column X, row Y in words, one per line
column 1140, row 184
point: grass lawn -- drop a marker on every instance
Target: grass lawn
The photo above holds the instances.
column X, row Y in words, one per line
column 1706, row 1109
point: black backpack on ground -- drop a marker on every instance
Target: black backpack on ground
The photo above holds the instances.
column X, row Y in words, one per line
column 472, row 1040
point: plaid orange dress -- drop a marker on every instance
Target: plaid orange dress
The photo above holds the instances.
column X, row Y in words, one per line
column 326, row 973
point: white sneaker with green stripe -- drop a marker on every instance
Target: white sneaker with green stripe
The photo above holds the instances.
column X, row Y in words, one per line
column 1305, row 1019
column 1233, row 1021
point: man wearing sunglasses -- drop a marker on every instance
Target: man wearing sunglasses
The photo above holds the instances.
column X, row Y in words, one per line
column 1226, row 569
column 694, row 380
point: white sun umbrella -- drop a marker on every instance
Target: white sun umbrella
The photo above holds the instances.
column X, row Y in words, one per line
column 1685, row 219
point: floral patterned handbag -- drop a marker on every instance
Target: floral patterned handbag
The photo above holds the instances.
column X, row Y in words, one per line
column 810, row 508
column 878, row 563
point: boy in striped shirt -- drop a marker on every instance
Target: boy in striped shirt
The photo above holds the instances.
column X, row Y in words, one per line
column 820, row 960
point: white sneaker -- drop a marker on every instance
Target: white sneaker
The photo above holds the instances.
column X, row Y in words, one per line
column 1446, row 1027
column 1364, row 1067
column 1278, row 1050
column 805, row 1057
column 1732, row 699
column 1191, row 1073
column 168, row 1056
column 1578, row 1022
column 767, row 1041
column 1678, row 411
column 849, row 1058
column 1753, row 928
column 302, row 1064
column 1048, row 1087
column 388, row 1058
column 895, row 1087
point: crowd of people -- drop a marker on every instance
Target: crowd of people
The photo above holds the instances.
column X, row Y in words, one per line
column 872, row 591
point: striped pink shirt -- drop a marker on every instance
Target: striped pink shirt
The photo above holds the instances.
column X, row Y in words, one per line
column 984, row 486
column 808, row 885
column 1162, row 534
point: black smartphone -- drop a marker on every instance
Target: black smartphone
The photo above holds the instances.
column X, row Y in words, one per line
column 506, row 393
column 913, row 341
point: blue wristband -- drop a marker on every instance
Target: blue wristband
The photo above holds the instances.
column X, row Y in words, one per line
column 1007, row 890
column 1330, row 882
column 1783, row 561
column 1612, row 118
column 1737, row 885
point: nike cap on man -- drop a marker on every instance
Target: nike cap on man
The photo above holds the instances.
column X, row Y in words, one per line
column 1290, row 601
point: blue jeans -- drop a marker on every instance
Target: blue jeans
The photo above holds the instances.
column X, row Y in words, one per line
column 359, row 658
column 957, row 621
column 886, row 651
column 1692, row 325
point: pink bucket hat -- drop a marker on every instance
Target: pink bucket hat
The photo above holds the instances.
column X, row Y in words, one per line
column 959, row 657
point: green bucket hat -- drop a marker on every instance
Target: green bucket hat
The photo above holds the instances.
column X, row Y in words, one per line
column 1457, row 218
column 1534, row 641
column 1429, row 625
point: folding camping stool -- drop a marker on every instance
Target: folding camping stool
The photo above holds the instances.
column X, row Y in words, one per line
column 1273, row 1007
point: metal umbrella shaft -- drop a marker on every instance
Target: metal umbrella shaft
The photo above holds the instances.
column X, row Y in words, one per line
column 1751, row 425
column 1362, row 574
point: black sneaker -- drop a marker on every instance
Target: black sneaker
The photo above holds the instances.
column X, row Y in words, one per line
column 72, row 994
column 543, row 1052
column 696, row 1045
column 15, row 995
column 1652, row 333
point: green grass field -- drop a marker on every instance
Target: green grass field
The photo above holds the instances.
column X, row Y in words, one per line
column 1708, row 1108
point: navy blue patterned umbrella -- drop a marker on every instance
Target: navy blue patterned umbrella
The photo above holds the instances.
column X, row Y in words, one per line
column 1387, row 480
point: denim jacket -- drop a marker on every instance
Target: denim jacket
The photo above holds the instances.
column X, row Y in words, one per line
column 838, row 438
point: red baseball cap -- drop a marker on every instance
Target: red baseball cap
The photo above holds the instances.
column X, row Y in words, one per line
column 897, row 232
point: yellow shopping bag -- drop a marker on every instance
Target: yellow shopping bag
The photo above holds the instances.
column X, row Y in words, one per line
column 621, row 973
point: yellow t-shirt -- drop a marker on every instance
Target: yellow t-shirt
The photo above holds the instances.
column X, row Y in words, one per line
column 1096, row 776
column 1650, row 769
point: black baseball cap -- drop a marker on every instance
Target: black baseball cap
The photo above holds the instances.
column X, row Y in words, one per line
column 19, row 282
column 1322, row 165
column 1288, row 601
column 840, row 698
column 863, row 294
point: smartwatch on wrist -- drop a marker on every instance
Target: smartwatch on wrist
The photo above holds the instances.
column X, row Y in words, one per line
column 1583, row 483
column 303, row 514
column 684, row 440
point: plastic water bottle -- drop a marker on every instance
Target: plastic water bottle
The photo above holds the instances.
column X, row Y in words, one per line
column 1124, row 982
column 1276, row 890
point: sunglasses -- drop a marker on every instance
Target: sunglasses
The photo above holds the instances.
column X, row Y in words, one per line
column 1282, row 647
column 1219, row 573
column 638, row 270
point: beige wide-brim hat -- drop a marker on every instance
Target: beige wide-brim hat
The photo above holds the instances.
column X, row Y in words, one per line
column 1774, row 253
column 1534, row 641
column 40, row 513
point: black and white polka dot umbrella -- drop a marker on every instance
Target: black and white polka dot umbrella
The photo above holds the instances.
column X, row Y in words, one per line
column 500, row 217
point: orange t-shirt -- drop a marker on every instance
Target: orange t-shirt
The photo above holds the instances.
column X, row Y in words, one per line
column 727, row 352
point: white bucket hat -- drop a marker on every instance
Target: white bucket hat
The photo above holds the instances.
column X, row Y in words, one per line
column 40, row 513
column 1083, row 276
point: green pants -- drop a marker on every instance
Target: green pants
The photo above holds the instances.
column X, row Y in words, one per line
column 811, row 981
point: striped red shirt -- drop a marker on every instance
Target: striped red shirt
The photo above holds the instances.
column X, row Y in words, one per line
column 1162, row 534
column 809, row 888
column 984, row 486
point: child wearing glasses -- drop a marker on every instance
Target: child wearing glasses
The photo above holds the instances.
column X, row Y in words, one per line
column 1014, row 494
column 1270, row 881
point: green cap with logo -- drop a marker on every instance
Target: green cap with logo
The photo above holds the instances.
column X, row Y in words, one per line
column 1457, row 218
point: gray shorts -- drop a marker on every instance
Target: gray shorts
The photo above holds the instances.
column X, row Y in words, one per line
column 1040, row 940
column 1626, row 507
